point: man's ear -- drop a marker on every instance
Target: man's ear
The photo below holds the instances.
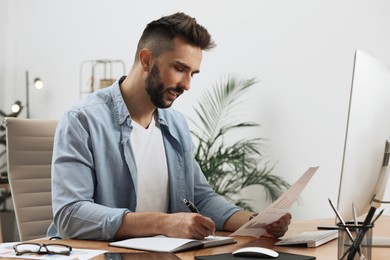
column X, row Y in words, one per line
column 145, row 57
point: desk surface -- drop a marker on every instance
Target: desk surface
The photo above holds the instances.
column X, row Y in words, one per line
column 326, row 251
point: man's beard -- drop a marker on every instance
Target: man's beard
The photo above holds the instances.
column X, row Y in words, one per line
column 155, row 88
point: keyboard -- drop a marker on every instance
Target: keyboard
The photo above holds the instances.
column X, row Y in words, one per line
column 310, row 238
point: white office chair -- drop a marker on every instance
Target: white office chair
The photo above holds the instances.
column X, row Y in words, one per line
column 29, row 153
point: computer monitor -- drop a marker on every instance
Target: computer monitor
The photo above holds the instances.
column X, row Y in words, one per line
column 364, row 167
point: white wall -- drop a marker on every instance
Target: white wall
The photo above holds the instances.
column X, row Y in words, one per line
column 300, row 50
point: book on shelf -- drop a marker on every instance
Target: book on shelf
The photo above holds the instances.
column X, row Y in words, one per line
column 169, row 244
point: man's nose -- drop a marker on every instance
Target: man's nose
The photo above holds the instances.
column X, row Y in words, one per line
column 185, row 83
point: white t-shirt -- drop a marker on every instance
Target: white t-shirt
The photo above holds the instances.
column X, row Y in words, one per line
column 149, row 152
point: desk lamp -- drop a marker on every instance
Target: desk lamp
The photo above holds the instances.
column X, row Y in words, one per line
column 38, row 84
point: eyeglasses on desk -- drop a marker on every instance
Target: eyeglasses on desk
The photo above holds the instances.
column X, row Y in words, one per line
column 28, row 248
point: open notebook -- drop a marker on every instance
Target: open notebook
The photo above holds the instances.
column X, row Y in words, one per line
column 170, row 244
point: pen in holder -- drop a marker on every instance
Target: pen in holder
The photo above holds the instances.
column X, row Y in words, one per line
column 347, row 244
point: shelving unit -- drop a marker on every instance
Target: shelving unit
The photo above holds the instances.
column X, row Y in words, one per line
column 97, row 74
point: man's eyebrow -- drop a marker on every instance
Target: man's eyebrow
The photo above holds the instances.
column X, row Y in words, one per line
column 187, row 67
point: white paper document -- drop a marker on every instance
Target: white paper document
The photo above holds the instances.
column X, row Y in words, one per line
column 277, row 209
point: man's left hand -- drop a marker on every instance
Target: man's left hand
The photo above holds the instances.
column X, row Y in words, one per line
column 279, row 227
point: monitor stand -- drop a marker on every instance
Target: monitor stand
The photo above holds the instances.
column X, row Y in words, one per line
column 381, row 241
column 379, row 194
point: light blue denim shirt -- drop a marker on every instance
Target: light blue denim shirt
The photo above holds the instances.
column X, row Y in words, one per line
column 94, row 175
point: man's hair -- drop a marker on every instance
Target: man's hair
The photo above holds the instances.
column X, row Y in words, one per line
column 159, row 35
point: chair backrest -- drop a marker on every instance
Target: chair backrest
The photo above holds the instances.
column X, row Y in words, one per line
column 29, row 153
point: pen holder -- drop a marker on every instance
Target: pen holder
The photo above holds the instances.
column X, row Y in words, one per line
column 359, row 233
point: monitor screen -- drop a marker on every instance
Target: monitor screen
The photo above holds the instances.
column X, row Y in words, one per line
column 368, row 129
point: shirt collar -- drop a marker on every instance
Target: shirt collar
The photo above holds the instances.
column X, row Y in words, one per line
column 119, row 104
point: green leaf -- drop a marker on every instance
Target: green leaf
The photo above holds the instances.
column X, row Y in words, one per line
column 229, row 168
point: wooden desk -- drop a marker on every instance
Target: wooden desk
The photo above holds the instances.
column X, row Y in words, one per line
column 326, row 251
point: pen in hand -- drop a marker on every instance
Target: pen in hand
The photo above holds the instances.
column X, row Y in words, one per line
column 191, row 206
column 193, row 209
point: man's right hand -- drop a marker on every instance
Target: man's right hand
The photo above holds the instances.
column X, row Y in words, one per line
column 182, row 225
column 188, row 225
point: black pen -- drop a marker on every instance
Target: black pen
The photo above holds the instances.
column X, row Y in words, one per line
column 356, row 244
column 193, row 209
column 380, row 213
column 191, row 206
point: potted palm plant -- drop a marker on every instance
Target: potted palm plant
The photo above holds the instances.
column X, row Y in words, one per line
column 231, row 165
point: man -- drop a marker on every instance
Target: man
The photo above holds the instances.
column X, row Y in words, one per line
column 123, row 160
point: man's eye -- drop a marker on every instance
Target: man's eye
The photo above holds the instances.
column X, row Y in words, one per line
column 180, row 69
